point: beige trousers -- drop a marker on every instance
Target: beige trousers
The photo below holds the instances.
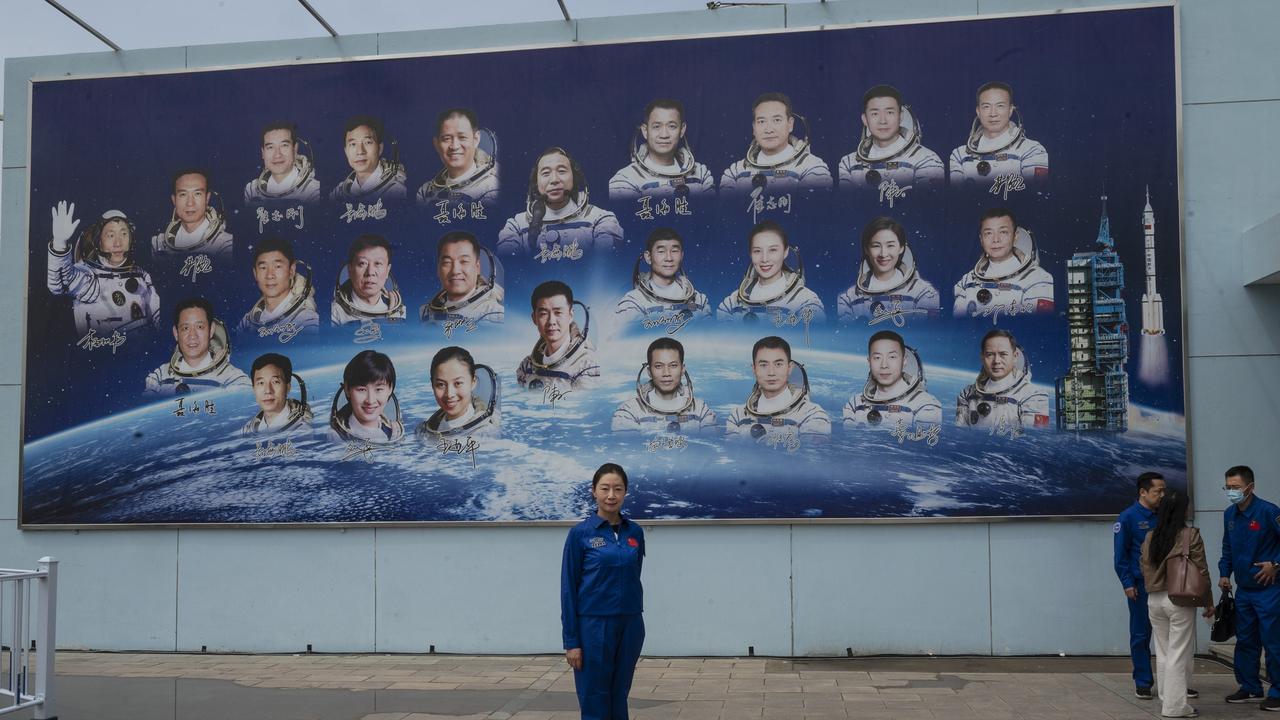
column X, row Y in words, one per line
column 1173, row 629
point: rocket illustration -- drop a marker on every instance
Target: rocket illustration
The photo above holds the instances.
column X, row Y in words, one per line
column 1152, row 303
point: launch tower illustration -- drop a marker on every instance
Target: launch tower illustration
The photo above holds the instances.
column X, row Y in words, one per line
column 1094, row 394
column 1152, row 303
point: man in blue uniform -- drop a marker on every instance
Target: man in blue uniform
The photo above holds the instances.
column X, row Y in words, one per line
column 1130, row 530
column 1251, row 549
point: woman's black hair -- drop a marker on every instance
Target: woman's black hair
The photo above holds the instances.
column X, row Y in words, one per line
column 609, row 469
column 453, row 352
column 368, row 367
column 1170, row 519
column 882, row 223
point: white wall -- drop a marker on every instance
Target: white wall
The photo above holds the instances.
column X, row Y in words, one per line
column 1002, row 588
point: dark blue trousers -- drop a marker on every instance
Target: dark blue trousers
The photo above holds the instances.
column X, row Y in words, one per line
column 1258, row 627
column 610, row 649
column 1140, row 639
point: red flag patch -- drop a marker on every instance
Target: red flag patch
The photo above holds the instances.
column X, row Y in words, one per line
column 1044, row 305
column 1042, row 420
column 633, row 542
column 1042, row 172
column 1253, row 525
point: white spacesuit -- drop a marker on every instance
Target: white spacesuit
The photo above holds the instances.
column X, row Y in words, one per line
column 686, row 177
column 483, row 304
column 105, row 297
column 784, row 420
column 210, row 237
column 1009, row 402
column 905, row 404
column 785, row 301
column 906, row 291
column 295, row 417
column 178, row 377
column 572, row 367
column 982, row 159
column 298, row 308
column 579, row 222
column 348, row 308
column 344, row 428
column 1016, row 285
column 385, row 182
column 300, row 185
column 905, row 161
column 648, row 412
column 650, row 300
column 480, row 184
column 793, row 168
column 481, row 419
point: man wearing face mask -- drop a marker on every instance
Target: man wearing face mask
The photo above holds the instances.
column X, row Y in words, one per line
column 1251, row 550
column 1130, row 530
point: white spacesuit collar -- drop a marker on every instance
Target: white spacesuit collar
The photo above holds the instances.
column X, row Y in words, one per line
column 780, row 401
column 467, row 416
column 875, row 284
column 287, row 184
column 987, row 385
column 673, row 405
column 679, row 290
column 787, row 152
column 370, row 182
column 558, row 355
column 277, row 421
column 378, row 307
column 875, row 152
column 1000, row 142
column 570, row 208
column 895, row 390
column 187, row 368
column 184, row 239
column 682, row 163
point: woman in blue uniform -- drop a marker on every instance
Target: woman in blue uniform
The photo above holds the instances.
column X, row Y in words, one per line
column 601, row 600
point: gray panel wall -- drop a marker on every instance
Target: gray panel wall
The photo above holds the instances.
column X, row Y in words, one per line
column 804, row 589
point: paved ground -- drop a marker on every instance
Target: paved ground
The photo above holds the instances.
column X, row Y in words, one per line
column 118, row 686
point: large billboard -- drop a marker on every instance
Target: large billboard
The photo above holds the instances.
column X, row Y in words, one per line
column 883, row 272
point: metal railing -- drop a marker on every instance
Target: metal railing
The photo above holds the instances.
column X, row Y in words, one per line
column 22, row 685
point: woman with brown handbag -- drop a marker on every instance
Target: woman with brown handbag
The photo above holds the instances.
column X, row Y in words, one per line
column 1177, row 579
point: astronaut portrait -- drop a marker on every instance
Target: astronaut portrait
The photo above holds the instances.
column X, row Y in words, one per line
column 195, row 226
column 778, row 411
column 559, row 218
column 776, row 161
column 664, row 401
column 360, row 406
column 771, row 290
column 1007, row 278
column 888, row 285
column 662, row 163
column 108, row 291
column 201, row 360
column 468, row 154
column 470, row 282
column 563, row 358
column 890, row 148
column 895, row 396
column 373, row 176
column 288, row 302
column 467, row 395
column 998, row 145
column 365, row 291
column 278, row 414
column 1003, row 398
column 288, row 175
column 664, row 293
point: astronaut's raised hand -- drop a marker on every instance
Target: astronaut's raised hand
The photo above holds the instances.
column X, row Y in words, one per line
column 64, row 225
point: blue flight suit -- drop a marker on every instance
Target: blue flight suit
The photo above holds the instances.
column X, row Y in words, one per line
column 601, row 601
column 1131, row 529
column 1251, row 536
